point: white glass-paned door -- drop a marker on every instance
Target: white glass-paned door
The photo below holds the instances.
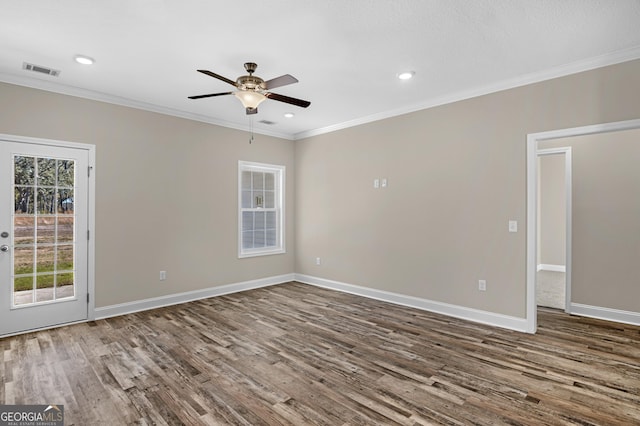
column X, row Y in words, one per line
column 43, row 235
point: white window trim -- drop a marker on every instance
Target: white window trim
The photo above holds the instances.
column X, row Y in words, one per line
column 280, row 172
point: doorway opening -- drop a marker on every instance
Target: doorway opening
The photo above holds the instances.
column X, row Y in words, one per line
column 533, row 147
column 553, row 270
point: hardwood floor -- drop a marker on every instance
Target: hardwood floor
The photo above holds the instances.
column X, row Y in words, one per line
column 297, row 354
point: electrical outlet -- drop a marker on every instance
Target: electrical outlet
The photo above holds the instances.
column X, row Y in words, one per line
column 318, row 261
column 163, row 275
column 482, row 285
column 376, row 183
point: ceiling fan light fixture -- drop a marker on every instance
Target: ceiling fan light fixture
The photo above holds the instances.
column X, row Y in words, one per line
column 406, row 75
column 249, row 99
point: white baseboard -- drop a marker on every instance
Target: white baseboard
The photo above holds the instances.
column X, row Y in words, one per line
column 174, row 299
column 553, row 268
column 616, row 315
column 475, row 315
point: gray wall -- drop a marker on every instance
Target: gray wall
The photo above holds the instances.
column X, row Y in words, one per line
column 457, row 174
column 605, row 219
column 166, row 192
column 552, row 210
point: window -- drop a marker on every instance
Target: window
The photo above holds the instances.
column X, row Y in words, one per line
column 261, row 213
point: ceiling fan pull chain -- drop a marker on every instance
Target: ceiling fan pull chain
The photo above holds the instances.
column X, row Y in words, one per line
column 251, row 126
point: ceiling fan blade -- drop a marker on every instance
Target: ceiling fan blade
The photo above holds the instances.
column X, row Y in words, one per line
column 210, row 95
column 219, row 77
column 283, row 80
column 287, row 99
column 252, row 111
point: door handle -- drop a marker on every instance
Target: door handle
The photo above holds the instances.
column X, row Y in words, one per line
column 4, row 247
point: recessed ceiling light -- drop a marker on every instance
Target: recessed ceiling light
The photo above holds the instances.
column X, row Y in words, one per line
column 406, row 75
column 289, row 114
column 84, row 60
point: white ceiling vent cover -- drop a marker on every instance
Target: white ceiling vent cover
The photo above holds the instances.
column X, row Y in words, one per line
column 42, row 70
column 270, row 123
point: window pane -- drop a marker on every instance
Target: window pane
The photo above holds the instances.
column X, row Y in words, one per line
column 271, row 220
column 269, row 199
column 258, row 199
column 65, row 173
column 24, row 170
column 258, row 181
column 271, row 238
column 46, row 229
column 259, row 220
column 24, row 229
column 269, row 181
column 246, row 180
column 46, row 201
column 65, row 229
column 65, row 201
column 46, row 172
column 247, row 221
column 258, row 239
column 246, row 199
column 247, row 240
column 24, row 201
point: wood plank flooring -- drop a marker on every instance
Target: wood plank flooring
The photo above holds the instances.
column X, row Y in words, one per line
column 295, row 354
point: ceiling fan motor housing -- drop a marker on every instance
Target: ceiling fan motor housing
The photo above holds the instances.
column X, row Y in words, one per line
column 250, row 82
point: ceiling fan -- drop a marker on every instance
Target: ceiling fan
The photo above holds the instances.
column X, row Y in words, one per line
column 252, row 89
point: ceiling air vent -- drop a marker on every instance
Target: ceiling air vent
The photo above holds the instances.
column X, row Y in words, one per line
column 270, row 123
column 42, row 70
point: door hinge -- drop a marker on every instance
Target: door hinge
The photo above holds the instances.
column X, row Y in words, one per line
column 87, row 297
column 88, row 235
column 89, row 171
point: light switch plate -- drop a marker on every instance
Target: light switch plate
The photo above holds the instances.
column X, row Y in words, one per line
column 513, row 226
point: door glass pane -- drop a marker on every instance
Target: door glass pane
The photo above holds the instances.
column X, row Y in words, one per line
column 25, row 170
column 65, row 201
column 44, row 287
column 24, row 200
column 23, row 230
column 23, row 260
column 46, row 201
column 65, row 229
column 64, row 285
column 65, row 173
column 23, row 297
column 44, row 228
column 64, row 257
column 46, row 175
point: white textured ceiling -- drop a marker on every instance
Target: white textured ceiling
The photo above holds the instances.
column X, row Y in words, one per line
column 345, row 53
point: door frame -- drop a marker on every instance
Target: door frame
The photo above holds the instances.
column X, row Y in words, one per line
column 566, row 151
column 91, row 151
column 532, row 199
